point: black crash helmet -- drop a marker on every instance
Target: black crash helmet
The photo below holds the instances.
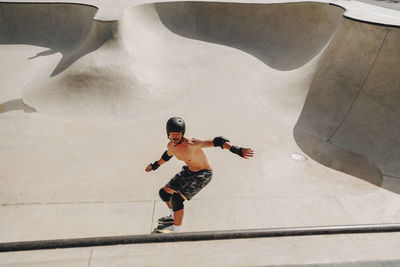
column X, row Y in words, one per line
column 175, row 124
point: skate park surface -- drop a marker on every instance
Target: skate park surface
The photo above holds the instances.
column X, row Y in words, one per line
column 86, row 90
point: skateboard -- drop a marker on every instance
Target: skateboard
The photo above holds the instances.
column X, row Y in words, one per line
column 161, row 227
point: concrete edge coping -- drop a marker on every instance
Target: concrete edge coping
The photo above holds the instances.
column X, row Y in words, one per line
column 113, row 10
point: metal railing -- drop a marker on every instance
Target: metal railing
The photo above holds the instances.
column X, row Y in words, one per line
column 198, row 236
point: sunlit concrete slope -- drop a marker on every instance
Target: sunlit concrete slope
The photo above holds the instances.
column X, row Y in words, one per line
column 352, row 110
column 282, row 36
column 122, row 80
column 73, row 164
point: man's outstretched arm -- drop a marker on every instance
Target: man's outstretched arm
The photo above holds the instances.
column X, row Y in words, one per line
column 164, row 158
column 224, row 144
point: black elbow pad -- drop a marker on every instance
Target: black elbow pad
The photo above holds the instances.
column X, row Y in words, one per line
column 220, row 141
column 165, row 156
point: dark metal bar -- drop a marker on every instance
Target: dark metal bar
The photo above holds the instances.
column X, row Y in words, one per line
column 198, row 236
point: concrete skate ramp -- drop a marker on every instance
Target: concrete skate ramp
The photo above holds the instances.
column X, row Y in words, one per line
column 65, row 28
column 283, row 36
column 352, row 110
column 239, row 70
column 350, row 119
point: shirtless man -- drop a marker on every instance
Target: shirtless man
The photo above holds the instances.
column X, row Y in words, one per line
column 193, row 177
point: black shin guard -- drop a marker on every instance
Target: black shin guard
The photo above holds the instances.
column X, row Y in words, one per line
column 164, row 195
column 177, row 202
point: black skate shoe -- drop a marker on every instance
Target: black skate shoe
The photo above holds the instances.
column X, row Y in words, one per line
column 166, row 220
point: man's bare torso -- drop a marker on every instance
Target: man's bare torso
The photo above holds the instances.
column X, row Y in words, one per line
column 192, row 154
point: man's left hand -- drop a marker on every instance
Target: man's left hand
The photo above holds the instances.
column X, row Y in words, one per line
column 247, row 153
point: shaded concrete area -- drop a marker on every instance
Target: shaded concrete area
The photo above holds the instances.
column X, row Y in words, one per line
column 392, row 4
column 353, row 103
column 16, row 104
column 65, row 28
column 279, row 78
column 283, row 36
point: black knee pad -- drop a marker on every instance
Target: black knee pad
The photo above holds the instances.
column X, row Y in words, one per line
column 164, row 195
column 177, row 202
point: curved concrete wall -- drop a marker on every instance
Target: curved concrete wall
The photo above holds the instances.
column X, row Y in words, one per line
column 283, row 36
column 58, row 26
column 352, row 109
column 65, row 28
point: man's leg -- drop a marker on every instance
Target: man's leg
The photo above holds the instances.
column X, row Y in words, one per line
column 167, row 197
column 177, row 200
column 192, row 186
column 175, row 204
column 176, row 182
column 166, row 194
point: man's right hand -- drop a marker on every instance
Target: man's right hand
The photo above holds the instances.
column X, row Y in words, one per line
column 149, row 168
column 153, row 166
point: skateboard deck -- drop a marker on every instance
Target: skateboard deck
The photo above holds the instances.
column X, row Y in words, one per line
column 160, row 227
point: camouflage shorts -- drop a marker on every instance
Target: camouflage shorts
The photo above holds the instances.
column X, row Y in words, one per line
column 190, row 183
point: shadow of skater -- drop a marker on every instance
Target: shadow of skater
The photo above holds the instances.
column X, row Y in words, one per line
column 14, row 105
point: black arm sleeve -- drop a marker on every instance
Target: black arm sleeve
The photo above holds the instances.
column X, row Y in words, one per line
column 165, row 156
column 237, row 150
column 155, row 165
